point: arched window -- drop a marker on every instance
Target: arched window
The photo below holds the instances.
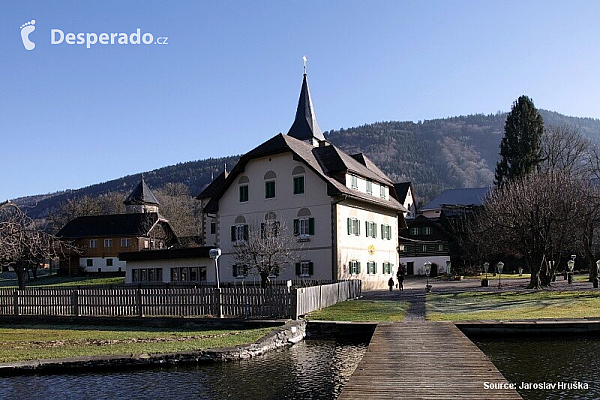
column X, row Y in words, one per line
column 270, row 177
column 239, row 231
column 298, row 180
column 304, row 225
column 243, row 188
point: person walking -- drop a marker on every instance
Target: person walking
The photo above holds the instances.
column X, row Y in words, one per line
column 391, row 283
column 400, row 276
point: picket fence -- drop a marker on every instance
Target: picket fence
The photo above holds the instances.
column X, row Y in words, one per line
column 275, row 301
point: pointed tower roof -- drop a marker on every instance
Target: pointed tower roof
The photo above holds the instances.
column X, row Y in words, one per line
column 305, row 126
column 141, row 195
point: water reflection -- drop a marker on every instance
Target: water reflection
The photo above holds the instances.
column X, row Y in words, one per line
column 315, row 369
column 547, row 360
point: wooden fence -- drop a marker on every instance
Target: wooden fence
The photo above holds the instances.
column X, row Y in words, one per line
column 276, row 301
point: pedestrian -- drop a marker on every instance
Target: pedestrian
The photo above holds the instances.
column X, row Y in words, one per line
column 400, row 276
column 391, row 283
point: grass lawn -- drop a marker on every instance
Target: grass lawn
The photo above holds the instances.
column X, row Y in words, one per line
column 27, row 342
column 512, row 305
column 8, row 280
column 362, row 311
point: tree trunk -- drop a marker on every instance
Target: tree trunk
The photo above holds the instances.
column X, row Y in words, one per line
column 20, row 271
column 264, row 278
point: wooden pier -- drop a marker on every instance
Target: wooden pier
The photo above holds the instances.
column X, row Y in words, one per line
column 424, row 360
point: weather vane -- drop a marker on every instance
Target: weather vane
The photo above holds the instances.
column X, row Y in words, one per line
column 304, row 59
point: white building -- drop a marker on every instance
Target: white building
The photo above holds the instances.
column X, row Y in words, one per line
column 343, row 208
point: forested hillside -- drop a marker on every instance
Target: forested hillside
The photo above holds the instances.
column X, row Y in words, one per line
column 436, row 155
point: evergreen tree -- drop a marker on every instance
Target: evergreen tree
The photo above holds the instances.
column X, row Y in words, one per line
column 520, row 146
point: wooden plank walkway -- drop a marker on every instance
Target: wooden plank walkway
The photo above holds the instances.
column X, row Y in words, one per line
column 424, row 360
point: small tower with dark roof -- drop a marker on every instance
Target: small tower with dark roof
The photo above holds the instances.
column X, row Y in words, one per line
column 305, row 126
column 141, row 200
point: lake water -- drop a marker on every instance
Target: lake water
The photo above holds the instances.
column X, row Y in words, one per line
column 547, row 361
column 315, row 369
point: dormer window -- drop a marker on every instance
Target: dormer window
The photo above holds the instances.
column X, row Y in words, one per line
column 354, row 181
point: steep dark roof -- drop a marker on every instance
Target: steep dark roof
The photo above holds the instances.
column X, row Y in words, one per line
column 328, row 162
column 457, row 197
column 141, row 195
column 305, row 124
column 402, row 191
column 212, row 188
column 138, row 224
column 165, row 254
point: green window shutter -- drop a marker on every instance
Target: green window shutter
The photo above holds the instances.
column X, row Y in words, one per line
column 298, row 269
column 374, row 267
column 374, row 230
column 357, row 228
column 367, row 228
column 233, row 233
column 311, row 268
column 358, row 267
column 349, row 226
column 296, row 227
column 382, row 231
column 311, row 226
column 245, row 232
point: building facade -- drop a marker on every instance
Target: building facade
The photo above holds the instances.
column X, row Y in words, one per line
column 341, row 209
column 101, row 238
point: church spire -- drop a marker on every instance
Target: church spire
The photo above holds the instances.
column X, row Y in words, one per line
column 305, row 126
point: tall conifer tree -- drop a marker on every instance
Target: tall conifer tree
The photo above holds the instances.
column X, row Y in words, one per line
column 520, row 146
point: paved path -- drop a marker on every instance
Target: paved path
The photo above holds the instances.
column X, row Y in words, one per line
column 424, row 360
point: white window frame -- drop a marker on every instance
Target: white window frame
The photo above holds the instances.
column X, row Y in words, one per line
column 239, row 233
column 125, row 242
column 93, row 243
column 108, row 243
column 369, row 187
column 354, row 182
column 355, row 227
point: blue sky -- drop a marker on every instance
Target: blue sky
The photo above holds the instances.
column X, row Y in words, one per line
column 230, row 75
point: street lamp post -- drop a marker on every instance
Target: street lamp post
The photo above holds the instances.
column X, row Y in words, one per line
column 486, row 267
column 570, row 266
column 214, row 254
column 597, row 274
column 500, row 267
column 427, row 268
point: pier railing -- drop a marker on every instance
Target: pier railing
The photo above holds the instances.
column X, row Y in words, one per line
column 246, row 302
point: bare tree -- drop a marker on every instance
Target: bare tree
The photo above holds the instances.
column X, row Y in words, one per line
column 540, row 217
column 180, row 208
column 565, row 149
column 268, row 249
column 23, row 246
column 109, row 203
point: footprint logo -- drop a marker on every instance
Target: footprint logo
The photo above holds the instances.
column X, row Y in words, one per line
column 26, row 29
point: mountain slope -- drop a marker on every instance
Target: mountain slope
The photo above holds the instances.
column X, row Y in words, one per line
column 436, row 155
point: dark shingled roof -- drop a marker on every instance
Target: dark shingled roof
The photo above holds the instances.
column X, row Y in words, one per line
column 141, row 195
column 402, row 191
column 165, row 254
column 305, row 124
column 457, row 197
column 138, row 224
column 212, row 188
column 328, row 162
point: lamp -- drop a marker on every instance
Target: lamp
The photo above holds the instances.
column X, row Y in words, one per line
column 500, row 267
column 570, row 266
column 486, row 267
column 597, row 274
column 427, row 268
column 214, row 254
